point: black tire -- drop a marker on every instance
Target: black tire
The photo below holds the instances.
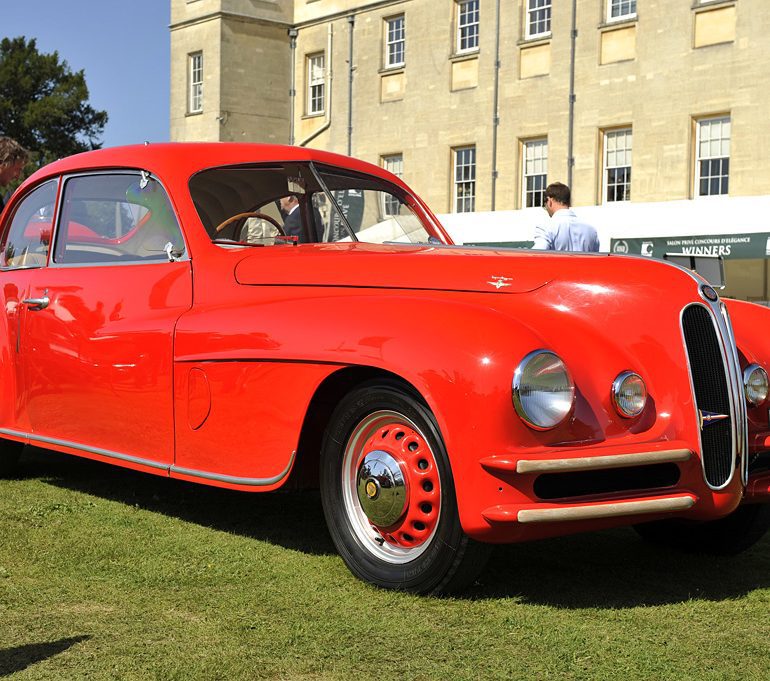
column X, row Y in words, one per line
column 425, row 549
column 730, row 535
column 10, row 451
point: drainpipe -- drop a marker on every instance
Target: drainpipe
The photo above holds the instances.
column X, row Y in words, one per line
column 352, row 22
column 571, row 133
column 496, row 108
column 293, row 80
column 328, row 92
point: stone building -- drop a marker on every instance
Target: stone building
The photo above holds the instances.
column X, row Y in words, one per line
column 479, row 103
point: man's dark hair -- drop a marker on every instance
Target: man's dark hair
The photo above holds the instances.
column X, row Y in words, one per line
column 559, row 192
column 11, row 151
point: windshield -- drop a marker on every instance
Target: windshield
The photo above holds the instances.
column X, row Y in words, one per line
column 298, row 203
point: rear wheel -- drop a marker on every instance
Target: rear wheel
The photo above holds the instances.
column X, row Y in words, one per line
column 10, row 451
column 388, row 495
column 734, row 533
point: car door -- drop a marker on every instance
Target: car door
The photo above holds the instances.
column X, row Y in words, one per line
column 97, row 336
column 24, row 250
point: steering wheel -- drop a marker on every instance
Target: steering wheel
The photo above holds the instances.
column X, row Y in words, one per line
column 250, row 214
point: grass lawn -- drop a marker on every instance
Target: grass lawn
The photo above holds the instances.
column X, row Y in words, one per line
column 110, row 574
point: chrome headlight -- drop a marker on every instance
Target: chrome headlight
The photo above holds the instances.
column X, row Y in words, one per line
column 543, row 390
column 755, row 384
column 629, row 394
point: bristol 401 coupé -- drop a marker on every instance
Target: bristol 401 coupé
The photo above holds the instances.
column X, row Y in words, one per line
column 246, row 315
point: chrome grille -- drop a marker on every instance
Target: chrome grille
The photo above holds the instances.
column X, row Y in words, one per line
column 712, row 393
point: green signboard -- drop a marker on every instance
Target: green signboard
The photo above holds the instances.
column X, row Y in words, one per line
column 729, row 246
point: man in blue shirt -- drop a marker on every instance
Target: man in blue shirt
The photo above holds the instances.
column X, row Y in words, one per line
column 563, row 232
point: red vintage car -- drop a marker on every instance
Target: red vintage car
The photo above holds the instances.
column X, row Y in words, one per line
column 255, row 316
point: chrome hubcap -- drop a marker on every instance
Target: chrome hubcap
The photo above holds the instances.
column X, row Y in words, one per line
column 381, row 488
column 391, row 487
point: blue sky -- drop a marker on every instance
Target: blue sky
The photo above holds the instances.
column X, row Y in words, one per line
column 123, row 47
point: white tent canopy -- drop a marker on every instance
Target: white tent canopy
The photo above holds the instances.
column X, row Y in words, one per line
column 703, row 216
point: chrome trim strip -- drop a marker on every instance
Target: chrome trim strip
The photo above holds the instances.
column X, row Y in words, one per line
column 169, row 469
column 589, row 463
column 616, row 510
column 85, row 448
column 233, row 480
column 737, row 395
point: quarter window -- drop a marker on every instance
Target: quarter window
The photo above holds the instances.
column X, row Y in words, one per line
column 195, row 77
column 617, row 165
column 113, row 218
column 712, row 156
column 467, row 25
column 29, row 235
column 538, row 18
column 535, row 162
column 395, row 41
column 315, row 84
column 621, row 9
column 465, row 180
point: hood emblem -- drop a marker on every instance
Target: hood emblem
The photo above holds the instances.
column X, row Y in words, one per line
column 708, row 418
column 499, row 282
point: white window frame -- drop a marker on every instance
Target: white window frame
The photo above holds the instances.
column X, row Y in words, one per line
column 464, row 179
column 393, row 163
column 467, row 22
column 534, row 165
column 618, row 148
column 626, row 10
column 316, row 83
column 538, row 15
column 395, row 41
column 712, row 143
column 195, row 79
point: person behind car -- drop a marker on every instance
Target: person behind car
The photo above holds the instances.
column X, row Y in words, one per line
column 13, row 158
column 563, row 231
column 292, row 218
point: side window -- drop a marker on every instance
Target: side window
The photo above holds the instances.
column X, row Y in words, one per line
column 116, row 218
column 374, row 213
column 29, row 236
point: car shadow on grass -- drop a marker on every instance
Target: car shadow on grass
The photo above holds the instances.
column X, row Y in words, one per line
column 18, row 658
column 616, row 569
column 292, row 519
column 607, row 569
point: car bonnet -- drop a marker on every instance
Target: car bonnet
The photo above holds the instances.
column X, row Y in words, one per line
column 393, row 267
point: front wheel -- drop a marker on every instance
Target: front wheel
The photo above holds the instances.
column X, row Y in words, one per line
column 730, row 535
column 388, row 495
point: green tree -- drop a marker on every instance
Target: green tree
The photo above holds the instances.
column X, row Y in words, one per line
column 43, row 104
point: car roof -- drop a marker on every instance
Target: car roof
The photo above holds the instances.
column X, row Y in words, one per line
column 187, row 158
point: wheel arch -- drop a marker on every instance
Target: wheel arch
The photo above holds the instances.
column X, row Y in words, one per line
column 325, row 398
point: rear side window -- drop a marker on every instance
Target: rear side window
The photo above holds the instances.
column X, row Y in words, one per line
column 112, row 218
column 29, row 236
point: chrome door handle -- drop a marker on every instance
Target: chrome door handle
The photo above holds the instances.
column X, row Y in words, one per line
column 37, row 303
